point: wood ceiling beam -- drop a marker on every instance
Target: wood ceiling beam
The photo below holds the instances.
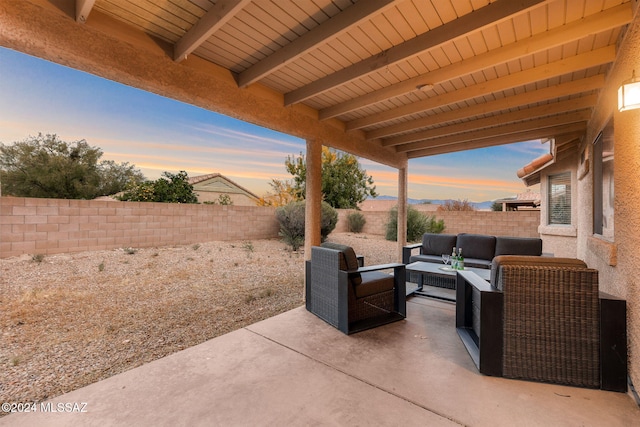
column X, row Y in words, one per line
column 328, row 30
column 540, row 95
column 562, row 144
column 566, row 139
column 570, row 146
column 515, row 116
column 500, row 140
column 211, row 22
column 568, row 151
column 473, row 21
column 559, row 141
column 83, row 9
column 564, row 66
column 499, row 131
column 593, row 24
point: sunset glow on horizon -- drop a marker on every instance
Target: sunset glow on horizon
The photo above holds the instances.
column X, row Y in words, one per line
column 157, row 134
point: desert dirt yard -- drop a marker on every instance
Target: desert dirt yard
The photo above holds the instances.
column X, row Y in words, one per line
column 73, row 319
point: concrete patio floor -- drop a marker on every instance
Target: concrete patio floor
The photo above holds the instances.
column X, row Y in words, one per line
column 294, row 369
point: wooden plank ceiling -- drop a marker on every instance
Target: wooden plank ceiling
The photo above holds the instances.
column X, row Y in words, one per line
column 422, row 76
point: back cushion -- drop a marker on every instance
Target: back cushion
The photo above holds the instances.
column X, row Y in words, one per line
column 478, row 246
column 348, row 260
column 518, row 246
column 438, row 244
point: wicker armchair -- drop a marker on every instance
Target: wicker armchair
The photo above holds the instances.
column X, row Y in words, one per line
column 543, row 319
column 349, row 297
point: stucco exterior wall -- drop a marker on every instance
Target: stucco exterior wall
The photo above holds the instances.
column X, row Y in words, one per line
column 617, row 261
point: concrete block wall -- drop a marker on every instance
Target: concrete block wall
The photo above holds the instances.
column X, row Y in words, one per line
column 48, row 226
column 375, row 222
column 513, row 223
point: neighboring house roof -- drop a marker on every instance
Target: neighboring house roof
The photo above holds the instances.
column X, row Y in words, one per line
column 558, row 149
column 530, row 173
column 111, row 198
column 218, row 183
column 527, row 199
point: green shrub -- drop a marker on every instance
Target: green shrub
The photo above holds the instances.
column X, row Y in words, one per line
column 328, row 220
column 418, row 223
column 356, row 222
column 170, row 188
column 291, row 219
column 496, row 207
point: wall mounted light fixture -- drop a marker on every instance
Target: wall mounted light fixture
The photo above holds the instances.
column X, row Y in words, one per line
column 629, row 94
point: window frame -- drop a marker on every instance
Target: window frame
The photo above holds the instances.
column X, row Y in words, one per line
column 603, row 167
column 565, row 215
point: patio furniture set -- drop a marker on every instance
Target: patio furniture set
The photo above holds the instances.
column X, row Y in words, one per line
column 519, row 314
column 479, row 251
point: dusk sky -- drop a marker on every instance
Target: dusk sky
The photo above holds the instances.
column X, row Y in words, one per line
column 159, row 134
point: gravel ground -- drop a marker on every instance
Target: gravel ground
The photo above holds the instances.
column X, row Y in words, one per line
column 71, row 320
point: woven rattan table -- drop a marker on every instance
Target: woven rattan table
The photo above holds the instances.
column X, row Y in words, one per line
column 437, row 281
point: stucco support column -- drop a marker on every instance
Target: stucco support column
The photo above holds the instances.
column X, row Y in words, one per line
column 313, row 204
column 402, row 208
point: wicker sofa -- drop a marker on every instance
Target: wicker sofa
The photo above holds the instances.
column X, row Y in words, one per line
column 351, row 297
column 543, row 319
column 478, row 249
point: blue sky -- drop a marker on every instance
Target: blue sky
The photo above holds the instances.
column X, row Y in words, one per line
column 158, row 134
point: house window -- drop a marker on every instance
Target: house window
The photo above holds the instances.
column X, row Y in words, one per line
column 603, row 193
column 560, row 199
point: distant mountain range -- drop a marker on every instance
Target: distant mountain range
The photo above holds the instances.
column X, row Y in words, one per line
column 478, row 205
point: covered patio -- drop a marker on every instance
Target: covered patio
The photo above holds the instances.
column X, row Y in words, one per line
column 295, row 369
column 389, row 81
